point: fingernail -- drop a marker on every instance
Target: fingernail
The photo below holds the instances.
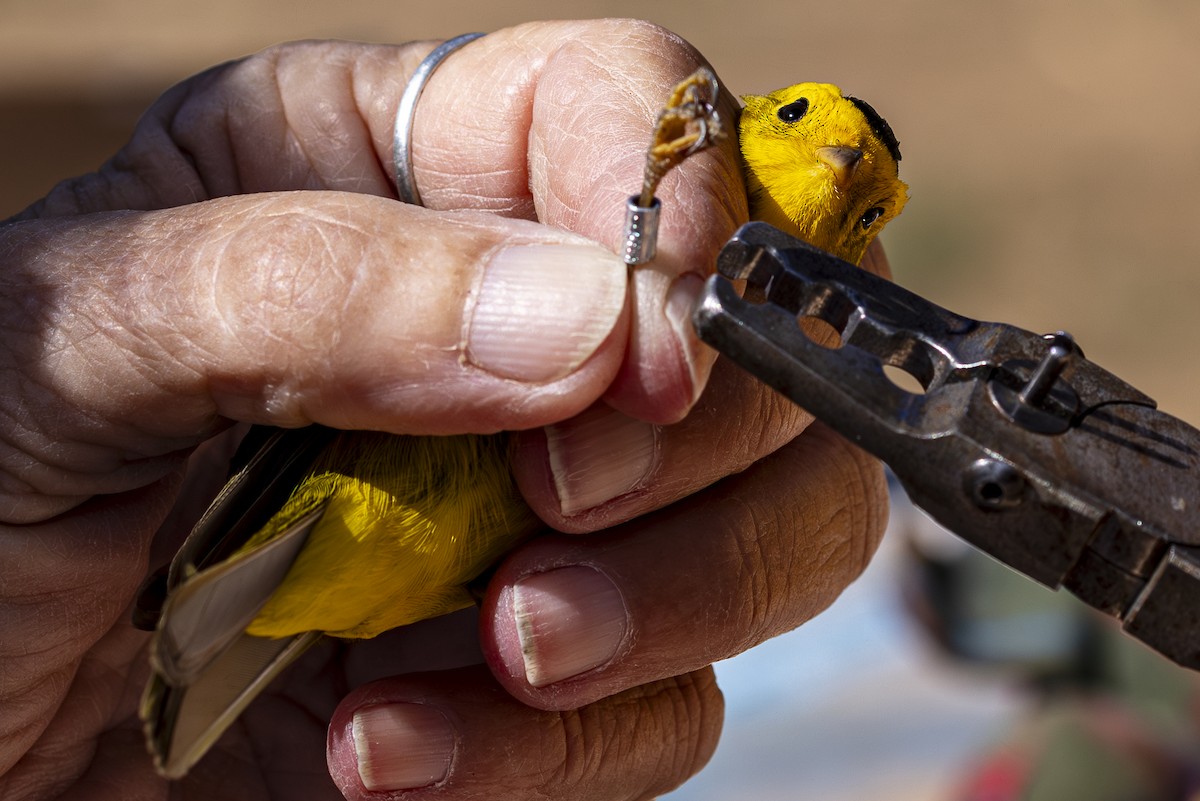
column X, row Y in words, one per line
column 681, row 302
column 402, row 746
column 599, row 455
column 569, row 621
column 542, row 310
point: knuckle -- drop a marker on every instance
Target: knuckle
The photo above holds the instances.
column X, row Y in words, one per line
column 285, row 273
column 847, row 523
column 795, row 548
column 865, row 504
column 766, row 423
column 763, row 559
column 654, row 38
column 643, row 742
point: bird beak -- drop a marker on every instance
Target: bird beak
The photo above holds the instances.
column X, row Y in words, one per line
column 843, row 161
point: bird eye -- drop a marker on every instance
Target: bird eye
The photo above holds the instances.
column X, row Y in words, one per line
column 793, row 111
column 870, row 216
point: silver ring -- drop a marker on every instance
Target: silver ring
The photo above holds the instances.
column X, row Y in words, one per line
column 402, row 134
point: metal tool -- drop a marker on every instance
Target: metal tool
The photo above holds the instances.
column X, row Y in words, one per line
column 1013, row 440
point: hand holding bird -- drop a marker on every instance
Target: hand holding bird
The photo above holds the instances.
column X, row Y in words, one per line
column 388, row 355
column 391, row 529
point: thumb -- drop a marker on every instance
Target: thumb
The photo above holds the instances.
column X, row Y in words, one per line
column 134, row 335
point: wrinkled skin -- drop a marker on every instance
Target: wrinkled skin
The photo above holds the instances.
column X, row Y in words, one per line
column 186, row 286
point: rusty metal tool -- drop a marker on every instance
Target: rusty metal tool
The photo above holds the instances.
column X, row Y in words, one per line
column 1013, row 440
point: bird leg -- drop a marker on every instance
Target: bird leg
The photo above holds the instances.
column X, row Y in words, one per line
column 687, row 124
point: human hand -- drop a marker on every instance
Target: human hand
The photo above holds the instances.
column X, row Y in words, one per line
column 133, row 336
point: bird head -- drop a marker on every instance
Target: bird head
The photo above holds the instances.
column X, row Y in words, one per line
column 822, row 166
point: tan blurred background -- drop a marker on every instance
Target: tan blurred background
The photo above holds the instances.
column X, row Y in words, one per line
column 1052, row 148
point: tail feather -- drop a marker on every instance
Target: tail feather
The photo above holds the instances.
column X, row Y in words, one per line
column 182, row 722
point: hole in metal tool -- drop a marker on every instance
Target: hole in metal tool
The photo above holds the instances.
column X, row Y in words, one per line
column 907, row 362
column 821, row 331
column 823, row 313
column 903, row 379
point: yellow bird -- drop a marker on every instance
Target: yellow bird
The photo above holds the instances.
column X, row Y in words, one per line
column 351, row 534
column 319, row 532
column 821, row 166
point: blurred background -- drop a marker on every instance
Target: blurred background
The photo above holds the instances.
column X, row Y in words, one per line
column 1053, row 152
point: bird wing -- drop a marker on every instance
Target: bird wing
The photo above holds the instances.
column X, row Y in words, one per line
column 205, row 669
column 207, row 613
